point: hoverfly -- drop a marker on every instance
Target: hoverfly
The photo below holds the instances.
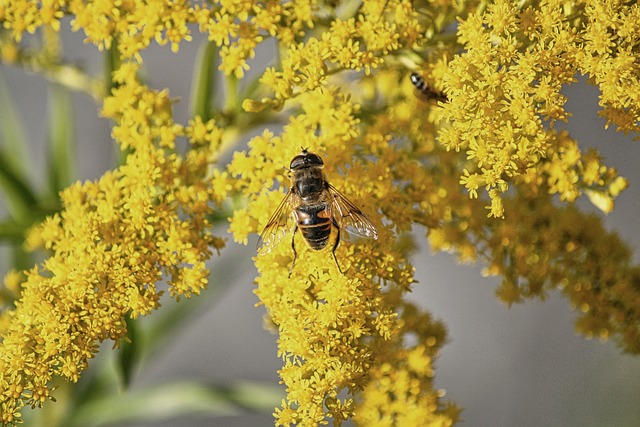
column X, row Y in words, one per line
column 316, row 206
column 424, row 91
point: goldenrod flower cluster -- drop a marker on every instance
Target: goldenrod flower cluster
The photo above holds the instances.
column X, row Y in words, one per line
column 516, row 62
column 352, row 346
column 334, row 328
column 111, row 245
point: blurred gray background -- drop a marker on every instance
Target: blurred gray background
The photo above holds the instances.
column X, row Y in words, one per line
column 522, row 366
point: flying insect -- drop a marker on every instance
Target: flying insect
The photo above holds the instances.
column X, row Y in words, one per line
column 314, row 207
column 425, row 91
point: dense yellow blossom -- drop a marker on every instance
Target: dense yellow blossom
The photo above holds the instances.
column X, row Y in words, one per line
column 505, row 95
column 479, row 171
column 610, row 56
column 333, row 328
column 113, row 241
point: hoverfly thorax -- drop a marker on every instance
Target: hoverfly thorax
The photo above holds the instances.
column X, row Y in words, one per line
column 307, row 178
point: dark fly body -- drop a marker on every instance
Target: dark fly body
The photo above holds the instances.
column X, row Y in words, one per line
column 425, row 91
column 316, row 207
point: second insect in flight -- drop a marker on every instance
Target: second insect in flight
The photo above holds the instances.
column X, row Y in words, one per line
column 314, row 206
column 424, row 91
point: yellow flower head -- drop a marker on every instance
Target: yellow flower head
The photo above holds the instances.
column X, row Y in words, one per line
column 352, row 347
column 333, row 327
column 113, row 241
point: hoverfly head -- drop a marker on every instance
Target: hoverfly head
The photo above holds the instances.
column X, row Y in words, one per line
column 305, row 160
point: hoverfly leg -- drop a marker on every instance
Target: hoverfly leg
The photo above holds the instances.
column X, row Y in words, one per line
column 293, row 246
column 335, row 245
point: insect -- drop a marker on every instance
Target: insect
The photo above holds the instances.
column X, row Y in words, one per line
column 424, row 91
column 317, row 207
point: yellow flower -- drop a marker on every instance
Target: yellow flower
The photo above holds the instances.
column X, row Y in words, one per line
column 609, row 57
column 112, row 242
column 352, row 347
column 235, row 60
column 333, row 328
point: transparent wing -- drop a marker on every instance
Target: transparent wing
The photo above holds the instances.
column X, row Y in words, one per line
column 349, row 216
column 279, row 224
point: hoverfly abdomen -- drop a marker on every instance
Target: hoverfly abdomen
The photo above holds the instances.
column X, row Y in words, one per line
column 315, row 224
column 317, row 207
column 425, row 91
column 418, row 82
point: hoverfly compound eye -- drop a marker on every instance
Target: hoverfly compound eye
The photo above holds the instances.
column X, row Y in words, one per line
column 305, row 160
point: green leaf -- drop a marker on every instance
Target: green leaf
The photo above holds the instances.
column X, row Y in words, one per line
column 19, row 196
column 204, row 77
column 11, row 230
column 21, row 259
column 165, row 401
column 174, row 315
column 252, row 88
column 17, row 193
column 130, row 352
column 101, row 379
column 61, row 139
column 12, row 134
column 256, row 396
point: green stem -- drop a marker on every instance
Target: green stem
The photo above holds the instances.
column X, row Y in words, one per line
column 18, row 194
column 231, row 104
column 61, row 139
column 204, row 80
column 112, row 62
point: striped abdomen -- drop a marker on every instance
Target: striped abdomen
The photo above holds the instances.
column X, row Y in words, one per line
column 424, row 90
column 315, row 222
